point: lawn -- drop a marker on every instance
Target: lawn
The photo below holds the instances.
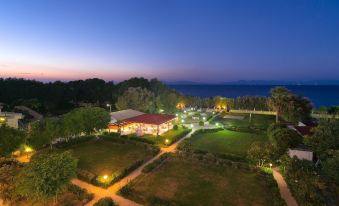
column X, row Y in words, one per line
column 260, row 122
column 190, row 182
column 106, row 157
column 172, row 136
column 225, row 142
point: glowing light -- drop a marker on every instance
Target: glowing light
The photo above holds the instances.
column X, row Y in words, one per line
column 217, row 124
column 108, row 105
column 271, row 165
column 182, row 121
column 28, row 149
column 166, row 141
column 2, row 119
column 105, row 177
column 191, row 125
column 204, row 118
column 176, row 114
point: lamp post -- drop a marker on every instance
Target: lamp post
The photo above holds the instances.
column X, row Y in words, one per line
column 110, row 107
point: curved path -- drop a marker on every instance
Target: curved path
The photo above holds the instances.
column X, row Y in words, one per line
column 284, row 191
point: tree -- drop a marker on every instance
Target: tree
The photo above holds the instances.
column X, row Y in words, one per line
column 260, row 153
column 324, row 138
column 288, row 105
column 46, row 176
column 10, row 140
column 94, row 119
column 135, row 98
column 44, row 132
column 283, row 138
column 167, row 102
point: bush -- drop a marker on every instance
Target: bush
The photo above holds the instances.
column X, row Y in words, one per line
column 204, row 131
column 156, row 163
column 106, row 201
column 134, row 138
column 86, row 176
column 74, row 141
column 126, row 190
column 201, row 123
column 80, row 193
column 175, row 127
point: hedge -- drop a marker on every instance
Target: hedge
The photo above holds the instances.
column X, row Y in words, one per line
column 148, row 168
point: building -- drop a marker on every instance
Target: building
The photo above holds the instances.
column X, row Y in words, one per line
column 301, row 152
column 10, row 119
column 123, row 115
column 135, row 122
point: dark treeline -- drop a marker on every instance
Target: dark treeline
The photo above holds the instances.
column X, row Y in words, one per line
column 59, row 97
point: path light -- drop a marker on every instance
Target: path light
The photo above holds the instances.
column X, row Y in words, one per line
column 204, row 118
column 176, row 114
column 28, row 149
column 166, row 141
column 110, row 107
column 192, row 125
column 270, row 165
column 182, row 121
column 217, row 124
column 105, row 177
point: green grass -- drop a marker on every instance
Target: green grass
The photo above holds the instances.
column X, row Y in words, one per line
column 170, row 135
column 261, row 122
column 105, row 157
column 190, row 182
column 225, row 142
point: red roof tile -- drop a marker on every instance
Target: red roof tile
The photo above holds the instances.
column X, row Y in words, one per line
column 156, row 119
column 304, row 130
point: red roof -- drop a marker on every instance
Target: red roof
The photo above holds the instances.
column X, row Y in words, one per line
column 156, row 119
column 304, row 130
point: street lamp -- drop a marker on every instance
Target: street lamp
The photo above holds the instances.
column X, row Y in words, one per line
column 110, row 107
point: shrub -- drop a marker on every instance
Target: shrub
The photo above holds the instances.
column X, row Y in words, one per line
column 175, row 127
column 86, row 176
column 74, row 141
column 156, row 162
column 126, row 190
column 80, row 193
column 106, row 201
column 156, row 201
column 201, row 123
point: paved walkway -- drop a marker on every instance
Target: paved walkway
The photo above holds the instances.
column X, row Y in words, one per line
column 284, row 191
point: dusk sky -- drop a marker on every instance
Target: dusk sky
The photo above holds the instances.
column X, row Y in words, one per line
column 205, row 41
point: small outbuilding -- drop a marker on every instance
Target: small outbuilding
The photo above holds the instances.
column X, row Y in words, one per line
column 301, row 152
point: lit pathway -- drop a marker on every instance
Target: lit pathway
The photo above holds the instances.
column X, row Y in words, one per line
column 112, row 190
column 284, row 191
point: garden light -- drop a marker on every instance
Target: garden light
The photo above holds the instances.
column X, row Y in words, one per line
column 270, row 165
column 28, row 149
column 176, row 114
column 166, row 141
column 192, row 125
column 217, row 124
column 182, row 121
column 204, row 118
column 105, row 177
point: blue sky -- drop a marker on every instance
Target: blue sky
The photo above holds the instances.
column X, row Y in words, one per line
column 207, row 41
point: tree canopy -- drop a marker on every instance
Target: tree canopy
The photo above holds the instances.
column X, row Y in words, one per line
column 46, row 176
column 290, row 106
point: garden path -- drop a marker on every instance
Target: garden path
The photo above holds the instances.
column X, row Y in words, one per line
column 284, row 191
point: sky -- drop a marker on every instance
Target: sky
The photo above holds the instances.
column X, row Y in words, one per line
column 195, row 40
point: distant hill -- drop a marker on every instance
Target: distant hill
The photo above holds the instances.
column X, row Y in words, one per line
column 258, row 82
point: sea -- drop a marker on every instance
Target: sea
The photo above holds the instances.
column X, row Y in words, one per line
column 320, row 95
